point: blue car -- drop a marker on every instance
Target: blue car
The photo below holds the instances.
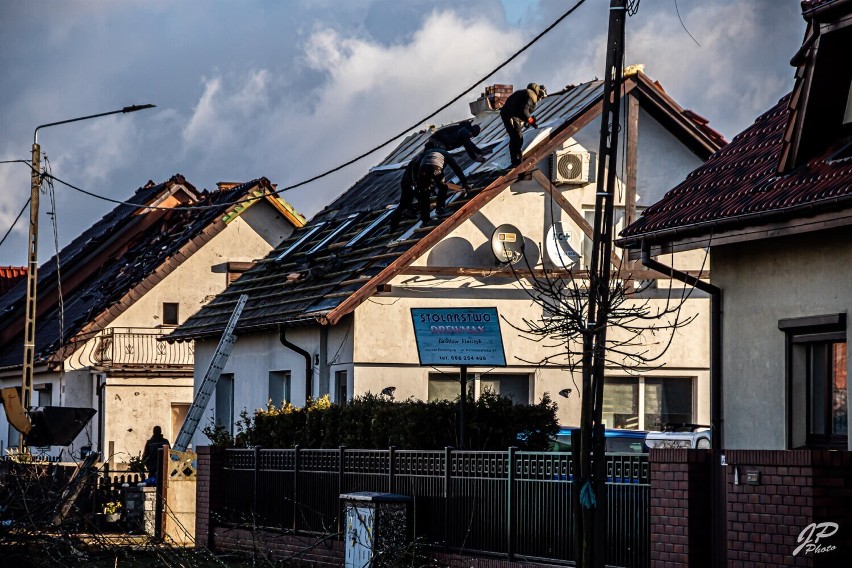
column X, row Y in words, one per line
column 617, row 440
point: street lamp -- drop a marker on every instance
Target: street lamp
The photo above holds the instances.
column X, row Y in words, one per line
column 32, row 250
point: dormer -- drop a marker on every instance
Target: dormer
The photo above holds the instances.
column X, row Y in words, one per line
column 821, row 105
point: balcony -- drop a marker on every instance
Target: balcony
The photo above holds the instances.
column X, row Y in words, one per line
column 132, row 347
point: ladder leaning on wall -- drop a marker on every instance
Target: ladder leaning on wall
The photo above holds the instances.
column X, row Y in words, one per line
column 211, row 377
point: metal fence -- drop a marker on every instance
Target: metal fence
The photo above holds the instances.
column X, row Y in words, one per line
column 511, row 504
column 128, row 346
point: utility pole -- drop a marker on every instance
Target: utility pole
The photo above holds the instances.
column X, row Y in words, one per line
column 32, row 263
column 592, row 529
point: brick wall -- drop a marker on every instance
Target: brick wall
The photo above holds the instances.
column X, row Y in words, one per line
column 680, row 508
column 774, row 495
column 209, row 490
column 318, row 551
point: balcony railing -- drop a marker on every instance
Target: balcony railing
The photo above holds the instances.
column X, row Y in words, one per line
column 132, row 347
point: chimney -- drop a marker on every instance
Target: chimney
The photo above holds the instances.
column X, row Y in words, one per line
column 226, row 185
column 492, row 99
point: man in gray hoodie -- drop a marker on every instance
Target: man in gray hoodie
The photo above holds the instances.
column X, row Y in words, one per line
column 422, row 172
column 517, row 113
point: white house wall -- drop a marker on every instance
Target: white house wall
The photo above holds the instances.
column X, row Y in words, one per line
column 763, row 283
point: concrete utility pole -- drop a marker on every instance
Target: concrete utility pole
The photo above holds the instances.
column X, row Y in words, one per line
column 592, row 531
column 32, row 263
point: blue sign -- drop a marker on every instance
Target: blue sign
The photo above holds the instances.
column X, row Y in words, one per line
column 458, row 336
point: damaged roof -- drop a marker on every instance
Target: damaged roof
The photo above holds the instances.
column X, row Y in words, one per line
column 122, row 256
column 327, row 268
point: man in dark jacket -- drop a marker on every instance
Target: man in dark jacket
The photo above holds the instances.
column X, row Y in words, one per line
column 152, row 447
column 517, row 113
column 455, row 136
column 425, row 170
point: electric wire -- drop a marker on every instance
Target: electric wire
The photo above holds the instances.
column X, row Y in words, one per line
column 15, row 222
column 363, row 154
column 53, row 218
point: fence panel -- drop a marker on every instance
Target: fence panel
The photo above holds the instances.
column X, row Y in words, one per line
column 543, row 506
column 510, row 504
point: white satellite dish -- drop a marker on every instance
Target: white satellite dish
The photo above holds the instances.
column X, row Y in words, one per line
column 507, row 244
column 557, row 245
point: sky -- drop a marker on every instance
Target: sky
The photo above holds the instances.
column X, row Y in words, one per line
column 289, row 89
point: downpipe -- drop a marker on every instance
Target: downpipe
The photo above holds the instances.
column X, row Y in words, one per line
column 309, row 370
column 719, row 505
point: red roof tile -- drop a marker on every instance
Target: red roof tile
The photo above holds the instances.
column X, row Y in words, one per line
column 9, row 275
column 740, row 184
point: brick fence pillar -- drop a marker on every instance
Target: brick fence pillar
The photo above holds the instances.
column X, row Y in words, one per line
column 773, row 499
column 208, row 492
column 681, row 493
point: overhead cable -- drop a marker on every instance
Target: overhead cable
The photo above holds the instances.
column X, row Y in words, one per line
column 363, row 154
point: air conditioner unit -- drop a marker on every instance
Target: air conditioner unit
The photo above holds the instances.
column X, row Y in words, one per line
column 570, row 167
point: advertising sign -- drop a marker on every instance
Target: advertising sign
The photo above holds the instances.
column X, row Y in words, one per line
column 458, row 336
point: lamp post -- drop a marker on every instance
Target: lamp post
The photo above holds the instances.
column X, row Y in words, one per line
column 32, row 251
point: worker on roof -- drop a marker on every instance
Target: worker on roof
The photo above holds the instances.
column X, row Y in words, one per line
column 423, row 172
column 455, row 136
column 517, row 113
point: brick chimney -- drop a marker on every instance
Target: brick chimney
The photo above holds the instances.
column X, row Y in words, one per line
column 492, row 99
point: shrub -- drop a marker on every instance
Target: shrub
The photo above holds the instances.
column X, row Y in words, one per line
column 371, row 421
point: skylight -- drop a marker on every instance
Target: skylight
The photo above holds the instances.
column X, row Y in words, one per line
column 370, row 228
column 329, row 239
column 302, row 240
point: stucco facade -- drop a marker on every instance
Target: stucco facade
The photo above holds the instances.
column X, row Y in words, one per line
column 764, row 282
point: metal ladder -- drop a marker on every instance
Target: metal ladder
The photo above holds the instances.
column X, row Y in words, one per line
column 211, row 377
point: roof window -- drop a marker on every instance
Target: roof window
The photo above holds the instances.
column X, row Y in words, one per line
column 294, row 248
column 329, row 238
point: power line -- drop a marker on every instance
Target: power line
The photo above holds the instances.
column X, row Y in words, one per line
column 15, row 222
column 363, row 154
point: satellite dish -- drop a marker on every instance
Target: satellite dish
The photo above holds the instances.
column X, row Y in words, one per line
column 557, row 245
column 507, row 244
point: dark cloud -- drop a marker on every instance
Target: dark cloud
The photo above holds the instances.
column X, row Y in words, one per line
column 289, row 89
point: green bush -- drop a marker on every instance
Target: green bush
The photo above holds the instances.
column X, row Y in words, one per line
column 371, row 421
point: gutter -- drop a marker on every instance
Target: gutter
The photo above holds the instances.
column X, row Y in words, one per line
column 707, row 228
column 715, row 292
column 309, row 370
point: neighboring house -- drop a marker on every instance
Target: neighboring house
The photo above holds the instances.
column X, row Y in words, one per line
column 341, row 289
column 130, row 279
column 9, row 275
column 775, row 209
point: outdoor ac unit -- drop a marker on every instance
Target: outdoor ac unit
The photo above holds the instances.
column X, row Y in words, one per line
column 571, row 167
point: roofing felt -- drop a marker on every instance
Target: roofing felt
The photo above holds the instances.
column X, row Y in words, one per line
column 145, row 256
column 321, row 265
column 740, row 185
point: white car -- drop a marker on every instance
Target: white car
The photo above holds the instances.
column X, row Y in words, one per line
column 686, row 436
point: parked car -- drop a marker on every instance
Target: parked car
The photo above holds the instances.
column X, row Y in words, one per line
column 617, row 440
column 688, row 436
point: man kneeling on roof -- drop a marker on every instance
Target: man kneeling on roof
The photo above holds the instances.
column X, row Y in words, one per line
column 455, row 136
column 422, row 172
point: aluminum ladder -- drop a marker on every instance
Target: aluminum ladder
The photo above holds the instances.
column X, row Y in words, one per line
column 211, row 377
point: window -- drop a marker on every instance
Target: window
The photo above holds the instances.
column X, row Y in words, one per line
column 443, row 387
column 44, row 394
column 170, row 313
column 341, row 395
column 279, row 387
column 617, row 226
column 223, row 412
column 647, row 403
column 817, row 409
column 514, row 387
